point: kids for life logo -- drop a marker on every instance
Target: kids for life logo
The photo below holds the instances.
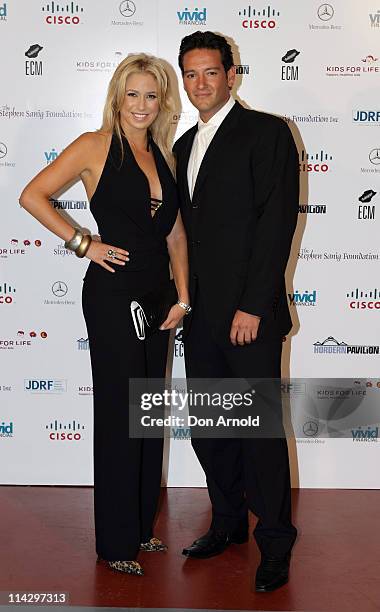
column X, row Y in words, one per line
column 193, row 17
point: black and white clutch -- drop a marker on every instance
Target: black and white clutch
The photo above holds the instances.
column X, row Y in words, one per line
column 150, row 311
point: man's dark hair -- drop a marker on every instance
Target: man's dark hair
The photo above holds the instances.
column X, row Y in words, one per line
column 206, row 40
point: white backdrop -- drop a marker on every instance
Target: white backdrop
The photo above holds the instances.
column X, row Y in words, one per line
column 318, row 66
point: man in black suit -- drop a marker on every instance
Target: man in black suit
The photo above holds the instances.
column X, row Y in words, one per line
column 238, row 177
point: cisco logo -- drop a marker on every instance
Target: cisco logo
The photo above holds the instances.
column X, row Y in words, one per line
column 70, row 431
column 62, row 14
column 316, row 162
column 6, row 293
column 264, row 19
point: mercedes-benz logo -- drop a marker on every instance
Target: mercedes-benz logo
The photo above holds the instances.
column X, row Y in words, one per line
column 3, row 150
column 310, row 428
column 325, row 12
column 127, row 8
column 374, row 156
column 59, row 288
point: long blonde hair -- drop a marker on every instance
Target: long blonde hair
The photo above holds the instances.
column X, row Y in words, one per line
column 160, row 128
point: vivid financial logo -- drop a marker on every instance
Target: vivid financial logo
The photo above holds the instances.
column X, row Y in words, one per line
column 330, row 345
column 316, row 162
column 50, row 156
column 71, row 431
column 364, row 300
column 3, row 12
column 6, row 430
column 370, row 434
column 374, row 19
column 265, row 19
column 62, row 14
column 303, row 299
column 192, row 18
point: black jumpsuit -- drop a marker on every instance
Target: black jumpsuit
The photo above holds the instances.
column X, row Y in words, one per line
column 127, row 471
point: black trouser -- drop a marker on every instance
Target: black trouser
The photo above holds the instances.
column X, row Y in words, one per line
column 127, row 471
column 243, row 473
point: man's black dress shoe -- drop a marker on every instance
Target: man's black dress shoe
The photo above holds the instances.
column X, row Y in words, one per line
column 272, row 573
column 214, row 543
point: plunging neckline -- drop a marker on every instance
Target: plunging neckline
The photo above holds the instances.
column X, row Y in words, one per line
column 151, row 198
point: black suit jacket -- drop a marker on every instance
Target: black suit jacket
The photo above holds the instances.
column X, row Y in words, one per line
column 241, row 219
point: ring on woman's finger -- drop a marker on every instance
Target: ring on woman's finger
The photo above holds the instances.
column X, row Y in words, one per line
column 111, row 253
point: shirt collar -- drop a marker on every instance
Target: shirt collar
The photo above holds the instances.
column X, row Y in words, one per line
column 219, row 117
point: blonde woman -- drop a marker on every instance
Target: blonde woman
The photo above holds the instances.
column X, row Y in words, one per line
column 127, row 171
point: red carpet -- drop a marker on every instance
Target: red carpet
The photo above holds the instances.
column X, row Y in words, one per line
column 47, row 544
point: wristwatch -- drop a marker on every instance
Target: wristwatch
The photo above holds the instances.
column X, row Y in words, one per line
column 187, row 308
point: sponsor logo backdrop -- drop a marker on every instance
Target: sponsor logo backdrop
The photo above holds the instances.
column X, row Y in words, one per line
column 315, row 64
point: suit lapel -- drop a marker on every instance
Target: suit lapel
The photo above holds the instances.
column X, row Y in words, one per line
column 184, row 161
column 217, row 144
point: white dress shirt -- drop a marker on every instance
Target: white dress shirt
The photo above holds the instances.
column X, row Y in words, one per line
column 202, row 139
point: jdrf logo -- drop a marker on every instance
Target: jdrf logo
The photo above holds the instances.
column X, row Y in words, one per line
column 195, row 17
column 3, row 12
column 366, row 117
column 45, row 386
column 365, row 435
column 303, row 299
column 6, row 430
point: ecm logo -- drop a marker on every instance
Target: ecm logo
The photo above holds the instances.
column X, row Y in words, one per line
column 33, row 67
